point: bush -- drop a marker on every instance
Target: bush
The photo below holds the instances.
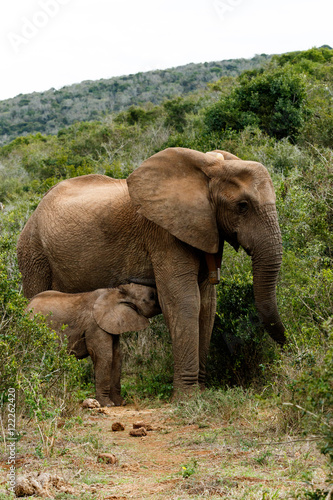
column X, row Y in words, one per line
column 239, row 348
column 33, row 361
column 305, row 207
column 138, row 115
column 147, row 363
column 272, row 100
column 176, row 110
column 315, row 388
column 34, row 364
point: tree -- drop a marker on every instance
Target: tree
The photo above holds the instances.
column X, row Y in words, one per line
column 274, row 100
column 176, row 112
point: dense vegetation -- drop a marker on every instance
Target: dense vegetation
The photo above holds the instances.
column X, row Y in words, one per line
column 281, row 115
column 49, row 111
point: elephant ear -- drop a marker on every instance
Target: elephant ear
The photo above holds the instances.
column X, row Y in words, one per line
column 116, row 316
column 171, row 188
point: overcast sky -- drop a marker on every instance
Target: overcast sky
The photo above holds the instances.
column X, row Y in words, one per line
column 52, row 43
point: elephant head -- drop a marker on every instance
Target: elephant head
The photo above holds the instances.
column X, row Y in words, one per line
column 204, row 199
column 126, row 308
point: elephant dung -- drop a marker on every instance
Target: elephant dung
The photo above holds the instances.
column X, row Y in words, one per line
column 41, row 485
column 23, row 487
column 117, row 426
column 107, row 458
column 90, row 403
column 138, row 425
column 138, row 432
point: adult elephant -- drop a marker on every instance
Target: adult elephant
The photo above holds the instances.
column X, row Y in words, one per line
column 168, row 221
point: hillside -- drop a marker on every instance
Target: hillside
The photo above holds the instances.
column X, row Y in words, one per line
column 48, row 111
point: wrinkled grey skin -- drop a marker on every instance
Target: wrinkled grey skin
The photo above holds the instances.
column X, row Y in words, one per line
column 95, row 320
column 179, row 205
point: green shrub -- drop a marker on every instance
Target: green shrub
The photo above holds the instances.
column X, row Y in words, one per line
column 226, row 114
column 138, row 115
column 302, row 385
column 177, row 110
column 273, row 100
column 32, row 359
column 316, row 389
column 239, row 348
column 316, row 56
column 147, row 363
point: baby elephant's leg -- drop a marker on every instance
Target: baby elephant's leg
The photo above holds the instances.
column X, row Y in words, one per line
column 100, row 348
column 116, row 373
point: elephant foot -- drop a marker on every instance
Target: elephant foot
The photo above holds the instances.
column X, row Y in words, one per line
column 185, row 392
column 117, row 400
column 103, row 401
column 122, row 403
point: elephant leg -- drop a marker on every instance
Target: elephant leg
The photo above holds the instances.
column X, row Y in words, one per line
column 76, row 342
column 115, row 390
column 183, row 323
column 206, row 323
column 179, row 298
column 79, row 349
column 101, row 353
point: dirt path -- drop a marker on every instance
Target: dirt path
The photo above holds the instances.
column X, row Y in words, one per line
column 147, row 465
column 173, row 461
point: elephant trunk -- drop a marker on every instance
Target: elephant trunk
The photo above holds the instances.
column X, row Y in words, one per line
column 266, row 263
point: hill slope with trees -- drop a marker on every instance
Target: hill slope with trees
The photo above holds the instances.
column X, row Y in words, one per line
column 49, row 111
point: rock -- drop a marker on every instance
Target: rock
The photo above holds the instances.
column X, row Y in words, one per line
column 90, row 403
column 138, row 432
column 117, row 426
column 107, row 458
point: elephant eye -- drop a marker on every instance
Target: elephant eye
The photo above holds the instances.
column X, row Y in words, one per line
column 243, row 207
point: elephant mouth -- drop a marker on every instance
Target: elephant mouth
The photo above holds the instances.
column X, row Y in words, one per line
column 233, row 241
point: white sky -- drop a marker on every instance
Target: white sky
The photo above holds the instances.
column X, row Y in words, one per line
column 52, row 43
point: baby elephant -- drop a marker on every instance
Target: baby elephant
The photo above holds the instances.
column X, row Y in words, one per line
column 95, row 320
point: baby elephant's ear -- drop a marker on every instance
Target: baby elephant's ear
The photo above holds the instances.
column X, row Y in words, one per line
column 115, row 316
